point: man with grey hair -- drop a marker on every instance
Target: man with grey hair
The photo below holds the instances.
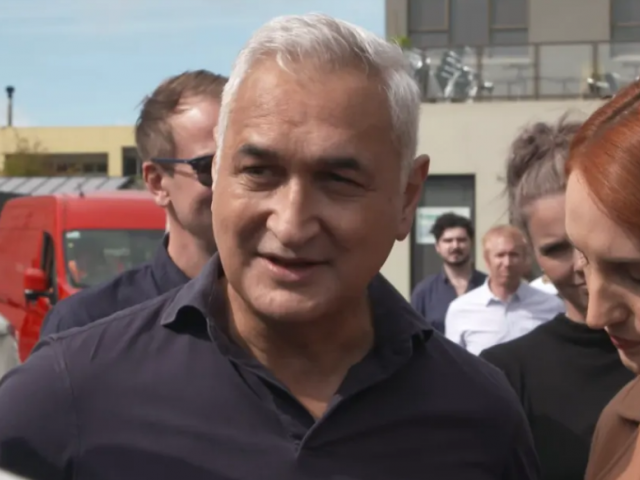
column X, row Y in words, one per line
column 289, row 357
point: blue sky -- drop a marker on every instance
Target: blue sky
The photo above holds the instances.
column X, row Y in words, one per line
column 90, row 62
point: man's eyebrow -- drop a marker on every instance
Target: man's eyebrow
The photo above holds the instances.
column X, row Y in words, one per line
column 341, row 163
column 329, row 162
column 259, row 153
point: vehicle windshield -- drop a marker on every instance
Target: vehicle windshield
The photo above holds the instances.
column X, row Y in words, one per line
column 95, row 256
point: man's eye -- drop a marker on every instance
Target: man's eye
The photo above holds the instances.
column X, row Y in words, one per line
column 334, row 177
column 256, row 171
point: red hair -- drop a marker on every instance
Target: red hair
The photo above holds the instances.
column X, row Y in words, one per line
column 606, row 154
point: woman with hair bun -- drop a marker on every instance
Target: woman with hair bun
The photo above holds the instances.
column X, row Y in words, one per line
column 603, row 222
column 563, row 371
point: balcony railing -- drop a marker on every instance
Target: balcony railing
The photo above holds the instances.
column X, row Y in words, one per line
column 524, row 72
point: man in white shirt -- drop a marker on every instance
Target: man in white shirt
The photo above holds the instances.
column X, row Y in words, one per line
column 505, row 307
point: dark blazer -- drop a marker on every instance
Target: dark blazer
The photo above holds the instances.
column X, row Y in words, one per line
column 614, row 442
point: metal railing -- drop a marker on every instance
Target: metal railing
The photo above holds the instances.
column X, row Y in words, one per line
column 525, row 72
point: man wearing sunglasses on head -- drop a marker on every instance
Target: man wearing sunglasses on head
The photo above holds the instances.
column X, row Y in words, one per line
column 174, row 137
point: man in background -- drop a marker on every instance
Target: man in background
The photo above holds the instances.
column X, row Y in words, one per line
column 174, row 137
column 504, row 307
column 454, row 236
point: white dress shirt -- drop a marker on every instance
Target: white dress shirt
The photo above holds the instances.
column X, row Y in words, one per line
column 542, row 283
column 478, row 320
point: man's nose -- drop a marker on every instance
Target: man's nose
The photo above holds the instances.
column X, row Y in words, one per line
column 293, row 220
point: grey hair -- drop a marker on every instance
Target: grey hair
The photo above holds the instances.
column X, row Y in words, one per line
column 327, row 41
column 535, row 166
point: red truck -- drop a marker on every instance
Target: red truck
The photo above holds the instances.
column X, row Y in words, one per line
column 51, row 246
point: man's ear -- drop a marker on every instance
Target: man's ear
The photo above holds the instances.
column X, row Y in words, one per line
column 412, row 194
column 154, row 180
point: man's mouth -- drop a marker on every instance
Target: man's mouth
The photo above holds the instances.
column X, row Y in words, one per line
column 292, row 269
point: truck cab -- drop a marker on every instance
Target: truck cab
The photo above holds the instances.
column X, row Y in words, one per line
column 54, row 245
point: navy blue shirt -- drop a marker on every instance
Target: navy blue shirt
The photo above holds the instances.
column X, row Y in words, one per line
column 159, row 391
column 130, row 288
column 432, row 296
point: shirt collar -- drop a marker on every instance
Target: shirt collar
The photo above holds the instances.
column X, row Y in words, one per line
column 393, row 317
column 477, row 278
column 489, row 297
column 165, row 272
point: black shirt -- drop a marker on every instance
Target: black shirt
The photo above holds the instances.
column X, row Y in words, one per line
column 565, row 374
column 130, row 288
column 432, row 296
column 158, row 391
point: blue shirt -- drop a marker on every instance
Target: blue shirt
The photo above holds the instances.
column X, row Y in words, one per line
column 130, row 288
column 160, row 391
column 432, row 296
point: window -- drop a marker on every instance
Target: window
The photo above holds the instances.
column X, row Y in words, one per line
column 441, row 23
column 131, row 162
column 47, row 264
column 94, row 256
column 625, row 27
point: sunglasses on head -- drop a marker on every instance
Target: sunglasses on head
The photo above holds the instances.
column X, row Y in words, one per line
column 200, row 165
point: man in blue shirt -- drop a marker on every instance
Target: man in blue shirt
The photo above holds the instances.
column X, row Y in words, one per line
column 431, row 297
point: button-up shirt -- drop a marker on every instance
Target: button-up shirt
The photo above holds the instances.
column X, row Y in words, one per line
column 130, row 288
column 432, row 296
column 479, row 320
column 160, row 391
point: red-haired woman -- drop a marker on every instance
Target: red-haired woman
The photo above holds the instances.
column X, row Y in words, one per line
column 603, row 222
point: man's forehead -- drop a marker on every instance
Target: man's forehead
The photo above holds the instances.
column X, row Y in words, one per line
column 346, row 97
column 454, row 232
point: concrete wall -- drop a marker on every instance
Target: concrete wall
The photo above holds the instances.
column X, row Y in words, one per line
column 58, row 140
column 475, row 139
column 569, row 20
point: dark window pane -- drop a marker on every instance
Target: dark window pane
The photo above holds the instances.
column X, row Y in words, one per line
column 429, row 40
column 427, row 15
column 509, row 13
column 469, row 22
column 509, row 37
column 625, row 34
column 625, row 11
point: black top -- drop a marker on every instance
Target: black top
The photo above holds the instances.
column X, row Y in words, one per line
column 565, row 374
column 158, row 391
column 130, row 288
column 432, row 296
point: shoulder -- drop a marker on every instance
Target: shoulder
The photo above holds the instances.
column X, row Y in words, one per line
column 115, row 332
column 94, row 303
column 524, row 348
column 424, row 284
column 538, row 295
column 616, row 426
column 477, row 380
column 471, row 299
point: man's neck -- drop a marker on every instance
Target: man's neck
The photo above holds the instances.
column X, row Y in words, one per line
column 188, row 253
column 458, row 272
column 504, row 291
column 323, row 344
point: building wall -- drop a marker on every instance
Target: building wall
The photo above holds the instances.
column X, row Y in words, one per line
column 549, row 20
column 569, row 20
column 474, row 139
column 72, row 140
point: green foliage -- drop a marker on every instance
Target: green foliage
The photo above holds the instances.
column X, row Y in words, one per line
column 403, row 42
column 29, row 159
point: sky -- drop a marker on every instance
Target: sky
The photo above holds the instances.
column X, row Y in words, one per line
column 90, row 62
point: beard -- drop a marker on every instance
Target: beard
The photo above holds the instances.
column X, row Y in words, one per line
column 461, row 260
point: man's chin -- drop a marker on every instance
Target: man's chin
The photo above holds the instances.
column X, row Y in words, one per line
column 289, row 306
column 457, row 262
